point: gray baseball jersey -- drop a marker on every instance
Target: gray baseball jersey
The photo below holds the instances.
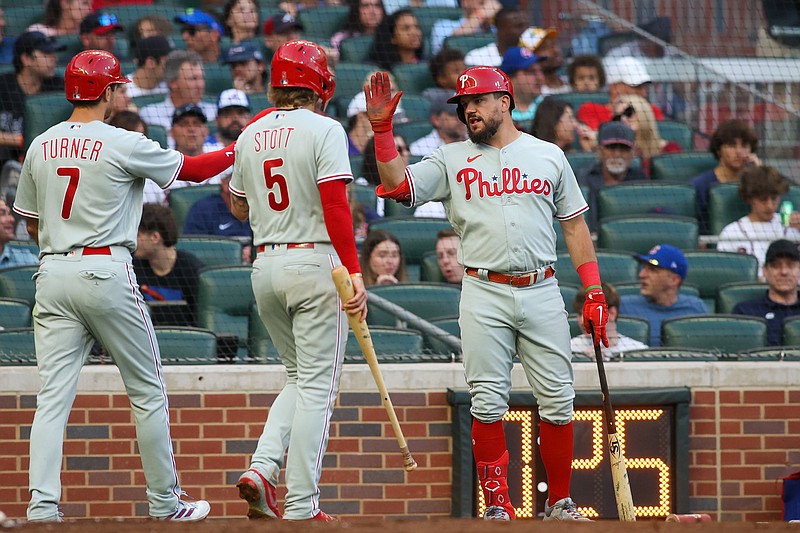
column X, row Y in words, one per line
column 502, row 203
column 83, row 182
column 280, row 161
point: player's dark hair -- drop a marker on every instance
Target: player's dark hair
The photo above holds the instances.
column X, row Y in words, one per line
column 374, row 238
column 437, row 63
column 157, row 217
column 728, row 132
column 612, row 297
column 590, row 61
column 288, row 97
column 549, row 112
column 762, row 182
column 384, row 52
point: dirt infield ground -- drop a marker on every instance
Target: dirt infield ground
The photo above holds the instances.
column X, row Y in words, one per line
column 393, row 526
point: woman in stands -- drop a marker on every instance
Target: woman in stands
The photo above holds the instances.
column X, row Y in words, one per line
column 637, row 113
column 382, row 260
column 555, row 122
column 398, row 40
column 363, row 19
column 241, row 19
column 62, row 17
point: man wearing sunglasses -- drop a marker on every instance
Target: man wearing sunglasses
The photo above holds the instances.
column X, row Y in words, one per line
column 98, row 31
column 202, row 33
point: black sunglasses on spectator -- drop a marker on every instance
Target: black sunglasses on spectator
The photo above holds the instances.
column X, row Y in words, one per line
column 628, row 112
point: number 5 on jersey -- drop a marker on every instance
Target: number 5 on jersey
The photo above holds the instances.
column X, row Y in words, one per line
column 279, row 200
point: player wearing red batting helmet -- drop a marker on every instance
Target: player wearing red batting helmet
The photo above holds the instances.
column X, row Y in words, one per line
column 303, row 64
column 89, row 73
column 481, row 80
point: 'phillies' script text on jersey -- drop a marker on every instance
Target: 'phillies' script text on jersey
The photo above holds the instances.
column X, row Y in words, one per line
column 512, row 181
column 72, row 148
column 271, row 139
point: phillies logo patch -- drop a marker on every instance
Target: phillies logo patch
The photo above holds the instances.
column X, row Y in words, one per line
column 510, row 181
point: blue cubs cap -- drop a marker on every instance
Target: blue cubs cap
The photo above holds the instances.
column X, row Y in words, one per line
column 196, row 17
column 666, row 256
column 243, row 52
column 518, row 58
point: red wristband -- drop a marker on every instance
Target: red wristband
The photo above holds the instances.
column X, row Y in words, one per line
column 589, row 273
column 385, row 148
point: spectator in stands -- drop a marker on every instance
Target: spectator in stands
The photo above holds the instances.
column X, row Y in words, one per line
column 11, row 256
column 369, row 168
column 510, row 21
column 586, row 73
column 248, row 69
column 62, row 17
column 445, row 68
column 189, row 129
column 241, row 19
column 362, row 215
column 398, row 40
column 615, row 142
column 760, row 188
column 626, row 75
column 663, row 270
column 233, row 114
column 165, row 273
column 782, row 273
column 277, row 30
column 637, row 113
column 524, row 69
column 150, row 26
column 617, row 342
column 478, row 17
column 447, row 243
column 202, row 34
column 186, row 83
column 734, row 145
column 34, row 68
column 131, row 121
column 382, row 260
column 359, row 130
column 542, row 42
column 363, row 18
column 6, row 42
column 98, row 31
column 447, row 128
column 555, row 122
column 150, row 58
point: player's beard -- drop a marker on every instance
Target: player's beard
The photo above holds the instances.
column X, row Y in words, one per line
column 490, row 128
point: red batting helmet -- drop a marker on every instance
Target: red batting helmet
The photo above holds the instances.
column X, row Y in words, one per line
column 302, row 64
column 481, row 80
column 89, row 73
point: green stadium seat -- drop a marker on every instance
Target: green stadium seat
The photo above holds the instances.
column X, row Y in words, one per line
column 186, row 346
column 709, row 269
column 730, row 294
column 726, row 206
column 17, row 347
column 224, row 296
column 627, row 289
column 212, row 251
column 391, row 346
column 30, row 246
column 568, row 292
column 577, row 99
column 365, row 195
column 580, row 160
column 640, row 233
column 14, row 313
column 436, row 344
column 642, row 198
column 349, row 82
column 356, row 163
column 634, row 327
column 770, row 353
column 411, row 131
column 417, row 108
column 18, row 18
column 18, row 283
column 678, row 132
column 43, row 111
column 158, row 134
column 680, row 167
column 791, row 331
column 258, row 102
column 427, row 17
column 466, row 43
column 426, row 300
column 181, row 199
column 259, row 343
column 323, row 21
column 668, row 354
column 218, row 78
column 615, row 267
column 416, row 235
column 392, row 209
column 716, row 333
column 413, row 78
column 574, row 324
column 354, row 49
column 429, row 268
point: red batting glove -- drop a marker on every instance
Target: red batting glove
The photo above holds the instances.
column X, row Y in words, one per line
column 595, row 315
column 380, row 103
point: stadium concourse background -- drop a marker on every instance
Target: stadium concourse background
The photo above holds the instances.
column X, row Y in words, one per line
column 724, row 60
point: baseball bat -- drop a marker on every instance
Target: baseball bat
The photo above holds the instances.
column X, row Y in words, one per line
column 344, row 286
column 619, row 473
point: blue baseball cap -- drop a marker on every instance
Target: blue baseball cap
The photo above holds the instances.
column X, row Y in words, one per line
column 518, row 58
column 196, row 17
column 666, row 256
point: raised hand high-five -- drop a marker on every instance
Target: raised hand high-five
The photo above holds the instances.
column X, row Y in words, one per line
column 380, row 102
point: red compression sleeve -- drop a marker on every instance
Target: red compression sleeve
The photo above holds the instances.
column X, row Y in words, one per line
column 339, row 221
column 589, row 273
column 385, row 148
column 201, row 167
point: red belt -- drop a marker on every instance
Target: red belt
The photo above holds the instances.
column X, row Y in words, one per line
column 290, row 245
column 508, row 279
column 103, row 250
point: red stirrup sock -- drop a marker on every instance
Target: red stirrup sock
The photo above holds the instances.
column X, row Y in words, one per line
column 491, row 458
column 556, row 447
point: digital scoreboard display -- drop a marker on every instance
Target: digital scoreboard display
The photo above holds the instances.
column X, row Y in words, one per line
column 652, row 425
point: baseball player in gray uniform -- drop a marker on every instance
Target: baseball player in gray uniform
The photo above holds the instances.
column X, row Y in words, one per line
column 501, row 190
column 81, row 191
column 290, row 176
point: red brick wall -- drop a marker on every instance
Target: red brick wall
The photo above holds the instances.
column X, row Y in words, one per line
column 741, row 441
